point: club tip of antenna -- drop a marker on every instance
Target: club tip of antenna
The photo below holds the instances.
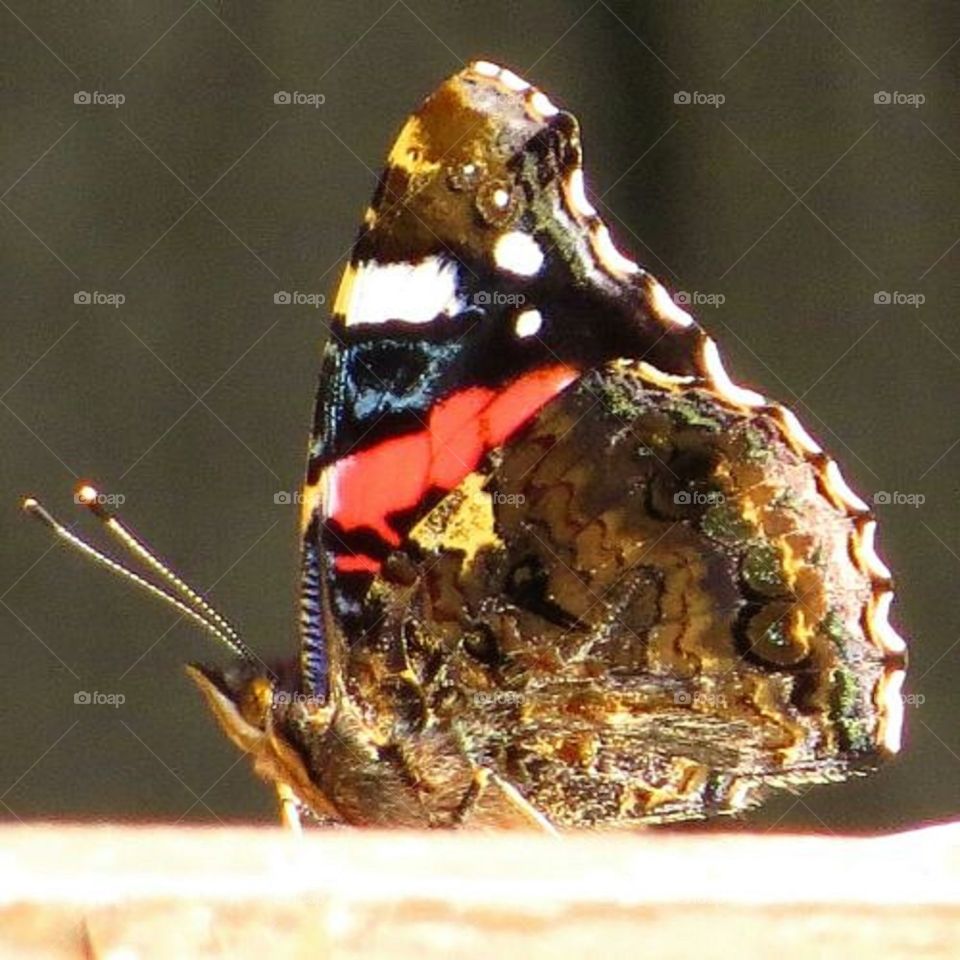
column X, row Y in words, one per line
column 33, row 507
column 87, row 495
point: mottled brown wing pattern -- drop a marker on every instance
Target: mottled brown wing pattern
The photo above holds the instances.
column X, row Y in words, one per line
column 650, row 609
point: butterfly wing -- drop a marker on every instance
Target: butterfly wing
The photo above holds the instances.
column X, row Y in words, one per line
column 650, row 607
column 629, row 591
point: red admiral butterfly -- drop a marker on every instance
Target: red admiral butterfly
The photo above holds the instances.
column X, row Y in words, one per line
column 558, row 570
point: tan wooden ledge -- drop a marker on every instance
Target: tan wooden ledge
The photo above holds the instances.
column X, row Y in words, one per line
column 126, row 892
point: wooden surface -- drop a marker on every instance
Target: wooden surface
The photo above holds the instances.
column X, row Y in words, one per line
column 127, row 892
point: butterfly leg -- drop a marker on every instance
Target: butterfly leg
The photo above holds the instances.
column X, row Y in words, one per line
column 522, row 812
column 289, row 810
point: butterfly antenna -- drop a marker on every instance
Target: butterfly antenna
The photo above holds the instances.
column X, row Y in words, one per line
column 90, row 498
column 202, row 613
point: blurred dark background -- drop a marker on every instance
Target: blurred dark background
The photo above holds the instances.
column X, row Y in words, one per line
column 786, row 212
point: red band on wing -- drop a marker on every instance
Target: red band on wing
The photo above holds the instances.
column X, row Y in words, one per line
column 356, row 563
column 395, row 475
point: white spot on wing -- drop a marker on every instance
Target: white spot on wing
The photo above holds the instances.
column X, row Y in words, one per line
column 408, row 292
column 528, row 323
column 608, row 254
column 890, row 703
column 485, row 68
column 519, row 253
column 879, row 621
column 577, row 195
column 512, row 82
column 840, row 489
column 666, row 309
column 541, row 105
column 867, row 551
column 797, row 432
column 721, row 381
column 329, row 491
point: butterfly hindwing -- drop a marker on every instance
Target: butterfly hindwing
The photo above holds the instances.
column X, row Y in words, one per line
column 629, row 612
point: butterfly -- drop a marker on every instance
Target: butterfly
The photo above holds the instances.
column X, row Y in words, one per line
column 558, row 569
